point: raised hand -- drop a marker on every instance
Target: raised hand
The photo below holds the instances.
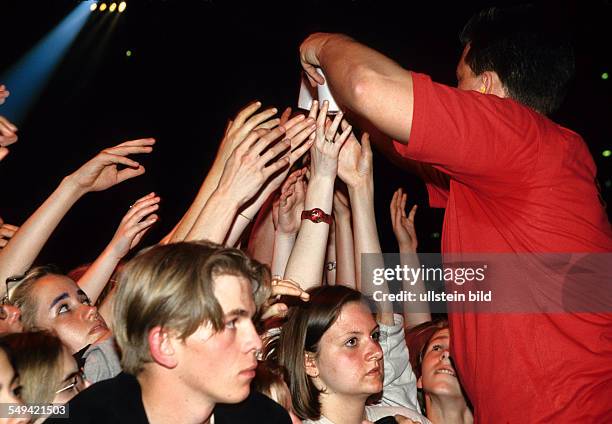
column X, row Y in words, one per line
column 272, row 307
column 135, row 224
column 355, row 160
column 103, row 171
column 7, row 231
column 245, row 170
column 4, row 93
column 324, row 153
column 291, row 203
column 8, row 136
column 242, row 125
column 403, row 226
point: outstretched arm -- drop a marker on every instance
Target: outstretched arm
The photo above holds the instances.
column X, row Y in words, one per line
column 243, row 176
column 305, row 264
column 98, row 174
column 403, row 227
column 134, row 225
column 363, row 80
column 237, row 130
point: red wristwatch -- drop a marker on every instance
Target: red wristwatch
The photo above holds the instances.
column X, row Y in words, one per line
column 316, row 215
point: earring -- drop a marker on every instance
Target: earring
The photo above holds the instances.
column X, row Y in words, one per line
column 483, row 89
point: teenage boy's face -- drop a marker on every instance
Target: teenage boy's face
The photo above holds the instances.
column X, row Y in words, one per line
column 221, row 365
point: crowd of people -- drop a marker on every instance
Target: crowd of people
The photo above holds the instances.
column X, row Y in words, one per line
column 257, row 306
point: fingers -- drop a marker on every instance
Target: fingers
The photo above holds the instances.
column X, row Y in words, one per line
column 285, row 116
column 268, row 125
column 144, row 145
column 412, row 214
column 276, row 310
column 7, row 140
column 267, row 139
column 246, row 112
column 343, row 137
column 331, row 131
column 275, row 150
column 300, row 151
column 109, row 158
column 138, row 142
column 127, row 173
column 255, row 122
column 366, row 148
column 7, row 230
column 3, row 151
column 402, row 204
column 288, row 288
column 313, row 76
column 140, row 205
column 314, row 109
column 8, row 124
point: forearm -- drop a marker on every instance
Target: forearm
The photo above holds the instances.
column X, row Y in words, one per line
column 188, row 220
column 412, row 318
column 345, row 252
column 214, row 220
column 305, row 264
column 98, row 274
column 261, row 240
column 18, row 255
column 244, row 218
column 367, row 242
column 283, row 245
column 330, row 257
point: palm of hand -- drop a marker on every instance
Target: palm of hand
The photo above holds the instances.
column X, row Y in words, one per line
column 351, row 167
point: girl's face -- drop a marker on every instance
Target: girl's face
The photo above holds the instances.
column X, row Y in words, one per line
column 64, row 309
column 350, row 359
column 438, row 376
column 9, row 388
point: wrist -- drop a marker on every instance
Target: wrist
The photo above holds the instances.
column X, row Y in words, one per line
column 70, row 187
column 282, row 235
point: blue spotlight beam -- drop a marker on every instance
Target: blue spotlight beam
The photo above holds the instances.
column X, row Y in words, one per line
column 28, row 77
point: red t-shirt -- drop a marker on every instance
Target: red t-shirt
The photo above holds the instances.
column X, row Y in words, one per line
column 518, row 183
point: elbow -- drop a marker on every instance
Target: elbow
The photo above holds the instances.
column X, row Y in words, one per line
column 362, row 83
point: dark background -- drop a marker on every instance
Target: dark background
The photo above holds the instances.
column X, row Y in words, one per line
column 195, row 63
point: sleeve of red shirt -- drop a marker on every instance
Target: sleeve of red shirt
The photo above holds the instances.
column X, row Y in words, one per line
column 477, row 139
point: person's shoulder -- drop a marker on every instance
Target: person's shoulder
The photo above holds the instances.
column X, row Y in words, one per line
column 101, row 402
column 255, row 408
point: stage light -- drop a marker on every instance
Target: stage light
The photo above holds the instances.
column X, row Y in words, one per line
column 606, row 153
column 122, row 6
column 128, row 53
column 93, row 6
column 102, row 7
column 604, row 76
column 112, row 7
column 29, row 76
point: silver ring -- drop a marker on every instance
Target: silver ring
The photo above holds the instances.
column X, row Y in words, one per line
column 327, row 140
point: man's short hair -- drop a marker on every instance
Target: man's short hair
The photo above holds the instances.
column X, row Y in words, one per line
column 528, row 48
column 172, row 286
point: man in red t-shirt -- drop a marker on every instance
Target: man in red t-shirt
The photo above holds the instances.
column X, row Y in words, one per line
column 512, row 181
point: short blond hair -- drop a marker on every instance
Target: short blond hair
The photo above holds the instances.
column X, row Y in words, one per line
column 171, row 286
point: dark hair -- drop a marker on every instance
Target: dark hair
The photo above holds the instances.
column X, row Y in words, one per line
column 302, row 332
column 527, row 48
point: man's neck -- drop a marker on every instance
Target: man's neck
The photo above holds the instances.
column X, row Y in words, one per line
column 343, row 409
column 448, row 410
column 166, row 401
